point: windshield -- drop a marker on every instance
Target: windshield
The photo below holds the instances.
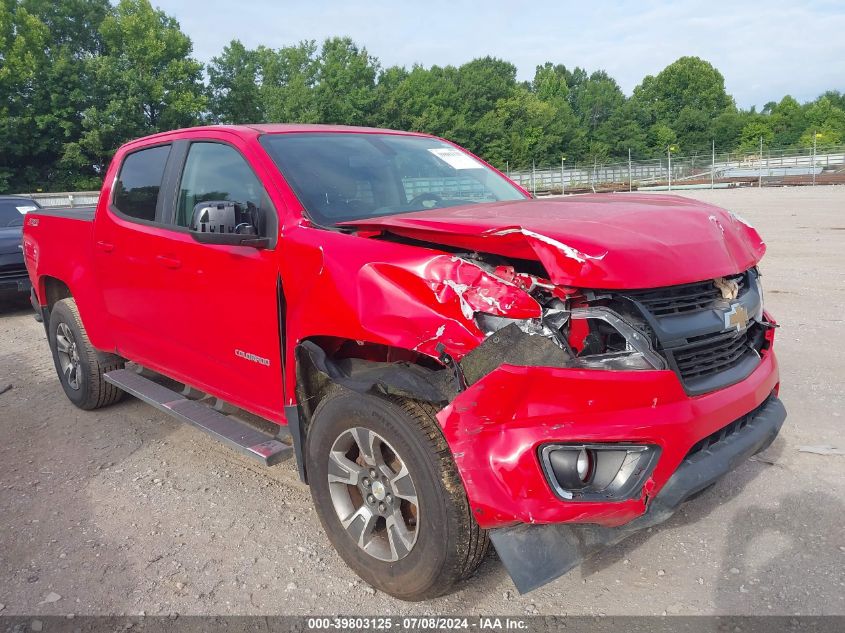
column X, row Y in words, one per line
column 12, row 211
column 340, row 177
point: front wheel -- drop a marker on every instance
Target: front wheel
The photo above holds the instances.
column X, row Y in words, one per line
column 389, row 496
column 79, row 365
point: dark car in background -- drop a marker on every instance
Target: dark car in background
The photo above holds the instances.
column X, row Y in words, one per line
column 14, row 281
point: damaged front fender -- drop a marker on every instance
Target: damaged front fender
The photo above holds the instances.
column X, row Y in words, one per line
column 443, row 293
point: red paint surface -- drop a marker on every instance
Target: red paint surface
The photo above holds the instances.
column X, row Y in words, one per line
column 619, row 240
column 161, row 299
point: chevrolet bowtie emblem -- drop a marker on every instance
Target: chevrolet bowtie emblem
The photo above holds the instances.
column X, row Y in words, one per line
column 736, row 317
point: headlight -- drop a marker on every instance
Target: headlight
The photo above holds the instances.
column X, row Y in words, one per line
column 637, row 353
column 616, row 360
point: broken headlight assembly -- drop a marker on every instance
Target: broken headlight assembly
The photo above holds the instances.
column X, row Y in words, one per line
column 605, row 340
column 612, row 343
column 597, row 472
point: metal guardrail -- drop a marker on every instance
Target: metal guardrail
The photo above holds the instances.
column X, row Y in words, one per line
column 770, row 164
column 64, row 199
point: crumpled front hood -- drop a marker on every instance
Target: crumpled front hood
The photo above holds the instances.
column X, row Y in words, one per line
column 10, row 240
column 595, row 241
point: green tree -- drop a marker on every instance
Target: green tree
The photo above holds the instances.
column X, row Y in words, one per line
column 826, row 121
column 44, row 86
column 684, row 96
column 234, row 90
column 345, row 90
column 749, row 140
column 23, row 42
column 549, row 83
column 521, row 128
column 425, row 100
column 689, row 82
column 661, row 136
column 145, row 81
column 787, row 121
column 288, row 77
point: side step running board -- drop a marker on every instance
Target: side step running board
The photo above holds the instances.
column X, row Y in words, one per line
column 239, row 435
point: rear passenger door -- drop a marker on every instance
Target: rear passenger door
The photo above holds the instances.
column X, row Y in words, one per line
column 129, row 236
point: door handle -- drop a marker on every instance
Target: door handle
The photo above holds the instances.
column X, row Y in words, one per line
column 106, row 247
column 168, row 262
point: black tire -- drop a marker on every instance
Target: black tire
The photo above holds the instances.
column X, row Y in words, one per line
column 90, row 390
column 449, row 544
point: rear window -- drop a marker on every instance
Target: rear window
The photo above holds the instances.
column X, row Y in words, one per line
column 137, row 187
column 12, row 211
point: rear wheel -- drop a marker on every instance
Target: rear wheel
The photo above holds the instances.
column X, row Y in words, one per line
column 389, row 496
column 79, row 365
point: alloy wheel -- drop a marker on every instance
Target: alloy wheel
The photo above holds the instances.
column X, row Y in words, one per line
column 68, row 352
column 373, row 494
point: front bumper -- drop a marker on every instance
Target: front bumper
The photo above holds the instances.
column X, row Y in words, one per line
column 537, row 554
column 15, row 285
column 13, row 276
column 495, row 428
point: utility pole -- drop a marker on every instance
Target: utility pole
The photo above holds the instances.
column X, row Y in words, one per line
column 508, row 168
column 760, row 180
column 533, row 179
column 815, row 134
column 562, row 185
column 669, row 169
column 713, row 165
column 629, row 171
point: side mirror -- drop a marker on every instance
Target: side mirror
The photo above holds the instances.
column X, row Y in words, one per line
column 228, row 223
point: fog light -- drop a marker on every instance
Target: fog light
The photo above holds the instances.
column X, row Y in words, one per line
column 582, row 465
column 597, row 472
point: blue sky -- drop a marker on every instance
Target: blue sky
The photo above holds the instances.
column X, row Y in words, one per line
column 764, row 49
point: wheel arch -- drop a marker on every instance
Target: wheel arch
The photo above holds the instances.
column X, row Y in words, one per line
column 50, row 291
column 323, row 362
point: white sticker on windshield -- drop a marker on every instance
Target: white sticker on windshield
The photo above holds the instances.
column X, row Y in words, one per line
column 456, row 159
column 25, row 210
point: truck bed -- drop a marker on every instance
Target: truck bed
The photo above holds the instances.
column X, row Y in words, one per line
column 58, row 250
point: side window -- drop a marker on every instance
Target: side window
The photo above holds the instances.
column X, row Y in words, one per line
column 139, row 181
column 214, row 171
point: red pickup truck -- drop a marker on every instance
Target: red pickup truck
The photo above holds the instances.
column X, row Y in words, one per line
column 449, row 361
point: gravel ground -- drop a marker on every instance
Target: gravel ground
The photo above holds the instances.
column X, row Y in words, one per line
column 124, row 510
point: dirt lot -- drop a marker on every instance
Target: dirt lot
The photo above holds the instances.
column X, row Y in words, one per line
column 125, row 510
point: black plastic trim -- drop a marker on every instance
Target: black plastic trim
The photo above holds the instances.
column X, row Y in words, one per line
column 292, row 414
column 85, row 214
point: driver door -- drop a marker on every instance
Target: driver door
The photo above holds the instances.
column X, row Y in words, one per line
column 224, row 320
